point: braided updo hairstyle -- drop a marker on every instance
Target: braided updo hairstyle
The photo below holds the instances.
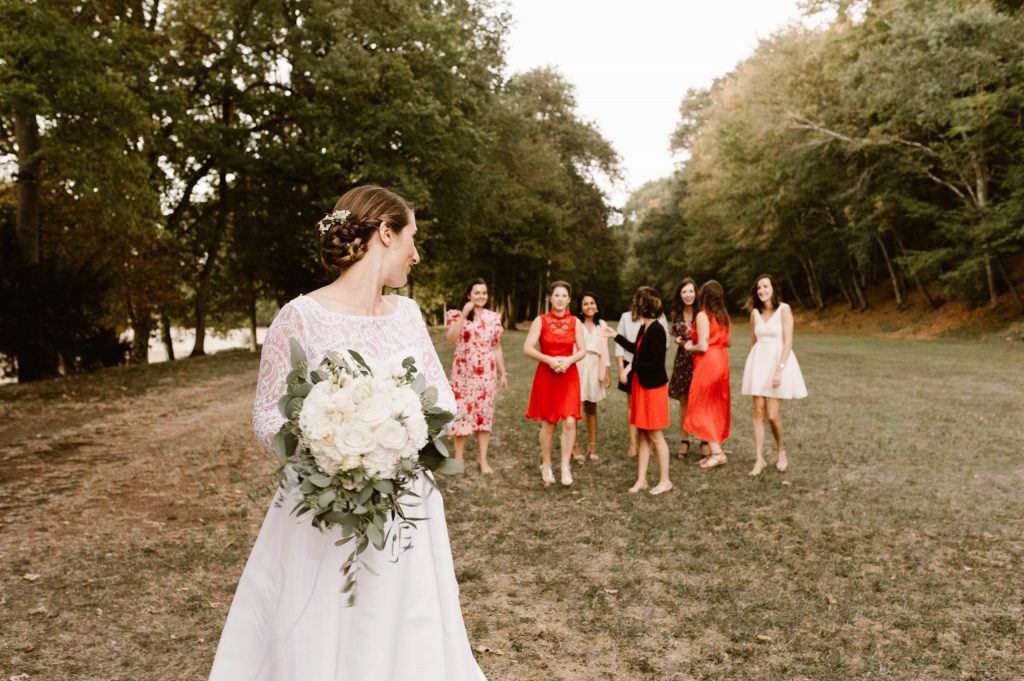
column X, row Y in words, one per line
column 368, row 206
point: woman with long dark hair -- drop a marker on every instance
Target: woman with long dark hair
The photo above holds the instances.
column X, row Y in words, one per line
column 478, row 364
column 683, row 312
column 771, row 373
column 594, row 368
column 707, row 409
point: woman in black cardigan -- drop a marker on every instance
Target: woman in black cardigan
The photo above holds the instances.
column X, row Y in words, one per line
column 648, row 398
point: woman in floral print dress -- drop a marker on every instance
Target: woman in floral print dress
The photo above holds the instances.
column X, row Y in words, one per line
column 476, row 333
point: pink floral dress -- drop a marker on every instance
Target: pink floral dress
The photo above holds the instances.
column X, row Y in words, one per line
column 474, row 371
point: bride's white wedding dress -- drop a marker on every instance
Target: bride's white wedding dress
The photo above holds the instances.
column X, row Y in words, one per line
column 288, row 620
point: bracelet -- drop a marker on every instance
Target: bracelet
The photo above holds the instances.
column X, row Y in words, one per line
column 781, row 365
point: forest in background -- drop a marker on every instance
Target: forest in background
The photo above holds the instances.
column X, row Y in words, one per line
column 169, row 159
column 885, row 149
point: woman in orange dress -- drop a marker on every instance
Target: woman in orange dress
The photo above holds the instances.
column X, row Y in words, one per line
column 555, row 395
column 648, row 395
column 707, row 408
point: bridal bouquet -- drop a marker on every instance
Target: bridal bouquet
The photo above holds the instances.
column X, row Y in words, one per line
column 357, row 435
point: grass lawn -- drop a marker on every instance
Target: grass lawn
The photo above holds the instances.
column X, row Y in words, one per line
column 891, row 549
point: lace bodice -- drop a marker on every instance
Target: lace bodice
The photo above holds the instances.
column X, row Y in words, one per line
column 557, row 334
column 319, row 330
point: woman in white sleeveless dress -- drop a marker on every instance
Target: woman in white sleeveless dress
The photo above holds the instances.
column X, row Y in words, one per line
column 288, row 620
column 772, row 373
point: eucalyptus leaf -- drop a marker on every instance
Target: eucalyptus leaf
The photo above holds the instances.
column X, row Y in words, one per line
column 320, row 480
column 298, row 355
column 360, row 361
column 375, row 535
column 326, row 497
column 451, row 467
column 384, row 486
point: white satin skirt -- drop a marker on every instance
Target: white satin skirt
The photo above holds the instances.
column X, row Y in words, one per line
column 289, row 621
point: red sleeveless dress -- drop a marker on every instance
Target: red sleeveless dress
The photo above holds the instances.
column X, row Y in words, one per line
column 555, row 396
column 707, row 406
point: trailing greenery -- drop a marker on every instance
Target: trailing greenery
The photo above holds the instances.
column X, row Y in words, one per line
column 886, row 147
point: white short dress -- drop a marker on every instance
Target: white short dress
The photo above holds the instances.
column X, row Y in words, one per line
column 764, row 358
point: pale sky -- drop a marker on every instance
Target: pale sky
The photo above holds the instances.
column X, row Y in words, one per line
column 633, row 60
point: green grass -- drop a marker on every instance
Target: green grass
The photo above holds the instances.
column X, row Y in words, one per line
column 894, row 552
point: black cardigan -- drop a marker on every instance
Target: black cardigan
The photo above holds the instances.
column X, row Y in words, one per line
column 649, row 363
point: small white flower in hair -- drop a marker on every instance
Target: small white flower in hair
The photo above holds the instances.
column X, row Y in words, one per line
column 338, row 217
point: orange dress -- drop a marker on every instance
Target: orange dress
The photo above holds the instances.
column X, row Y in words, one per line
column 708, row 405
column 555, row 396
column 648, row 407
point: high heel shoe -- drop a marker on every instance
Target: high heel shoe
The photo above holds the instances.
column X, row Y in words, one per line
column 758, row 468
column 566, row 476
column 547, row 476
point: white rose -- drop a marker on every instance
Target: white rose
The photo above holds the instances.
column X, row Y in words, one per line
column 392, row 435
column 374, row 410
column 382, row 463
column 354, row 438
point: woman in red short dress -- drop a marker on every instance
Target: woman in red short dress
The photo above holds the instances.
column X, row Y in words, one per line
column 707, row 408
column 555, row 395
column 648, row 395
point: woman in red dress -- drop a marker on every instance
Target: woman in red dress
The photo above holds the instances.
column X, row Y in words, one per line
column 555, row 395
column 648, row 395
column 707, row 408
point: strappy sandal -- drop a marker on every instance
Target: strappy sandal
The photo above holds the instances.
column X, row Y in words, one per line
column 592, row 452
column 715, row 460
column 547, row 476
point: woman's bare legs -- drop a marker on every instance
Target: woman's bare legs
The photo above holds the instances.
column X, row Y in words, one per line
column 643, row 456
column 483, row 439
column 661, row 447
column 759, row 412
column 547, row 436
column 775, row 421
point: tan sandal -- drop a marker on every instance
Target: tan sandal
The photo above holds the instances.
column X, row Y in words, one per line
column 715, row 460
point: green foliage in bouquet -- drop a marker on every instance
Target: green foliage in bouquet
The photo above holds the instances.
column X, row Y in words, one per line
column 359, row 488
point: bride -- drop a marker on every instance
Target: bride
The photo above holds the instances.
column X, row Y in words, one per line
column 289, row 620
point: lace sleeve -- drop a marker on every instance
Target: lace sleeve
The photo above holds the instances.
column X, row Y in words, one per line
column 275, row 363
column 432, row 368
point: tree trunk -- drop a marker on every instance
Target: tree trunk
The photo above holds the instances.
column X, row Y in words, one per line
column 26, row 133
column 859, row 292
column 892, row 270
column 932, row 303
column 142, row 326
column 846, row 294
column 990, row 279
column 812, row 283
column 253, row 345
column 165, row 335
column 1018, row 303
column 206, row 273
column 796, row 294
